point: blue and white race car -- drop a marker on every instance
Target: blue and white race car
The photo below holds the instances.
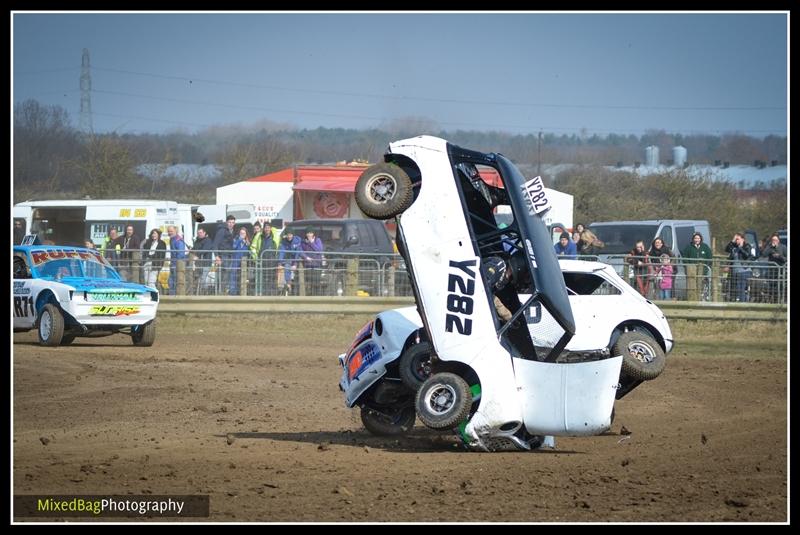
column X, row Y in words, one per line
column 65, row 292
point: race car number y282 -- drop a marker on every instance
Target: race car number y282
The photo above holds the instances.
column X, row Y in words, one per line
column 459, row 302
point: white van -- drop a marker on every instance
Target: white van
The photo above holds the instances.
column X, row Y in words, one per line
column 71, row 222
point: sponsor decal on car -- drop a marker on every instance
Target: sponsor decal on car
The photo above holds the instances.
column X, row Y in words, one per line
column 113, row 310
column 361, row 359
column 40, row 257
column 112, row 296
column 20, row 289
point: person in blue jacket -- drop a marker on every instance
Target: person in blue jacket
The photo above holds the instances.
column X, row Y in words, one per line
column 288, row 254
column 565, row 247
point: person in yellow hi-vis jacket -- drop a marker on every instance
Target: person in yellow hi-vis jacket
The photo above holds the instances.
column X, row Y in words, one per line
column 112, row 247
column 264, row 252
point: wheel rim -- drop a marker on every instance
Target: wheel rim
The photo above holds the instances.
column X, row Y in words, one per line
column 45, row 325
column 440, row 399
column 641, row 352
column 381, row 188
column 422, row 367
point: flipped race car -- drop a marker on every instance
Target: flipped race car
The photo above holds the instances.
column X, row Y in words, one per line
column 489, row 377
column 389, row 358
column 66, row 292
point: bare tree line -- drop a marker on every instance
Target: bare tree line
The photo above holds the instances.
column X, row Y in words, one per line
column 53, row 159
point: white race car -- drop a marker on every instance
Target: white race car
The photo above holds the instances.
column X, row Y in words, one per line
column 494, row 304
column 388, row 359
column 66, row 292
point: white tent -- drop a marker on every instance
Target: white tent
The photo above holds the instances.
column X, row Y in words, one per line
column 271, row 199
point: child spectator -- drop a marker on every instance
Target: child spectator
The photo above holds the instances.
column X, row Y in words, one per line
column 665, row 274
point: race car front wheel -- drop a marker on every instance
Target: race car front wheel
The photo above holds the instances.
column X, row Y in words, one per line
column 443, row 401
column 642, row 357
column 383, row 191
column 51, row 325
column 144, row 335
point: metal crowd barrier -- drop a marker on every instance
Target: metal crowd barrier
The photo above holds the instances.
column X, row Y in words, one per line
column 715, row 280
column 218, row 272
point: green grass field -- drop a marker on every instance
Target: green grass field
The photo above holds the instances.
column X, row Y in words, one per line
column 732, row 338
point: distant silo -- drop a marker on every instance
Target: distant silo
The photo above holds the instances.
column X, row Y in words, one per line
column 651, row 156
column 679, row 156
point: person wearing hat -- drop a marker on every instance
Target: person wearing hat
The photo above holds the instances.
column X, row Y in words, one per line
column 288, row 254
column 565, row 247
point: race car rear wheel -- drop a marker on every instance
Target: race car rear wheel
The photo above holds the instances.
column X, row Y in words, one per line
column 443, row 401
column 388, row 421
column 642, row 357
column 383, row 191
column 51, row 325
column 144, row 335
column 415, row 365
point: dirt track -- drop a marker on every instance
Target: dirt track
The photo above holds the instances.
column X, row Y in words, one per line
column 248, row 411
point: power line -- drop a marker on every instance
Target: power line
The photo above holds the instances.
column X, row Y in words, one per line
column 234, row 106
column 151, row 119
column 518, row 127
column 527, row 128
column 192, row 80
column 373, row 118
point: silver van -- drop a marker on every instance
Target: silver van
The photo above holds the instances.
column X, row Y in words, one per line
column 620, row 237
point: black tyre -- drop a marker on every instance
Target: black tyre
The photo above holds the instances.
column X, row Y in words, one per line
column 415, row 365
column 388, row 421
column 642, row 357
column 383, row 191
column 144, row 335
column 67, row 339
column 443, row 401
column 51, row 325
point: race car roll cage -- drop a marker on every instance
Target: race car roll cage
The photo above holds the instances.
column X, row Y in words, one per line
column 527, row 235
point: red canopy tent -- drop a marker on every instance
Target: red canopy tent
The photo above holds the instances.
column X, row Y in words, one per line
column 326, row 191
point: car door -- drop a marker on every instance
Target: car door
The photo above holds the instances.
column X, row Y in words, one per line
column 572, row 399
column 24, row 297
